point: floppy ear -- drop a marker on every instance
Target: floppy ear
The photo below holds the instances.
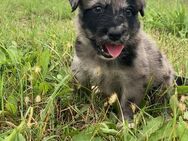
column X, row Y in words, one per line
column 142, row 5
column 142, row 12
column 74, row 4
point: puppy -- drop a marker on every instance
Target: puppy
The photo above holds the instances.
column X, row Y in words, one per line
column 113, row 53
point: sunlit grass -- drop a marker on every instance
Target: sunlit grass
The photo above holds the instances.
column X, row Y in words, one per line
column 36, row 100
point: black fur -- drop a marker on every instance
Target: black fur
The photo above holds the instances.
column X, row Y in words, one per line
column 94, row 21
column 74, row 4
column 127, row 56
column 100, row 23
column 139, row 5
column 181, row 80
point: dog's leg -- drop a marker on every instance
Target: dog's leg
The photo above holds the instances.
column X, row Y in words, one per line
column 133, row 95
column 126, row 108
column 81, row 82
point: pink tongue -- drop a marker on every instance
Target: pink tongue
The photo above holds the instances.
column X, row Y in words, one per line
column 114, row 50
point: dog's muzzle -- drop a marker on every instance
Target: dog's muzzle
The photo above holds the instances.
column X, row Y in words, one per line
column 113, row 46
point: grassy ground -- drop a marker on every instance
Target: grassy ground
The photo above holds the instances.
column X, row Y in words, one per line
column 36, row 101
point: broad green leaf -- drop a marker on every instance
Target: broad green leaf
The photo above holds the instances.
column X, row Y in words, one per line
column 105, row 129
column 11, row 105
column 15, row 135
column 162, row 133
column 82, row 137
column 20, row 137
column 174, row 104
column 182, row 89
column 2, row 58
column 152, row 126
column 89, row 134
column 44, row 60
column 182, row 130
column 125, row 135
column 14, row 54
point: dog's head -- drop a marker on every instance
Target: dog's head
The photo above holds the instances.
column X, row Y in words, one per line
column 109, row 24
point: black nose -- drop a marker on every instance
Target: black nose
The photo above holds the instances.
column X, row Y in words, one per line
column 114, row 34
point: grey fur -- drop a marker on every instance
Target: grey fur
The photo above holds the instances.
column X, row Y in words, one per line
column 128, row 82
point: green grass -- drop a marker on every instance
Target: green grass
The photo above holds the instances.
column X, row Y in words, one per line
column 36, row 100
column 168, row 16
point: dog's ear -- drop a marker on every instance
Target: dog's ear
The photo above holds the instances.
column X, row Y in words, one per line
column 74, row 4
column 142, row 12
column 141, row 5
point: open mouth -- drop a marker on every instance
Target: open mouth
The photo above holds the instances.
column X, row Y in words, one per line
column 109, row 50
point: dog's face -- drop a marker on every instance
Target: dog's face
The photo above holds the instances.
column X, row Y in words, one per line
column 109, row 24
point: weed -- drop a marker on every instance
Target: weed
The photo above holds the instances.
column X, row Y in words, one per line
column 36, row 41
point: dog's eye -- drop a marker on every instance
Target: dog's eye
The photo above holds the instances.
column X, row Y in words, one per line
column 98, row 9
column 128, row 12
